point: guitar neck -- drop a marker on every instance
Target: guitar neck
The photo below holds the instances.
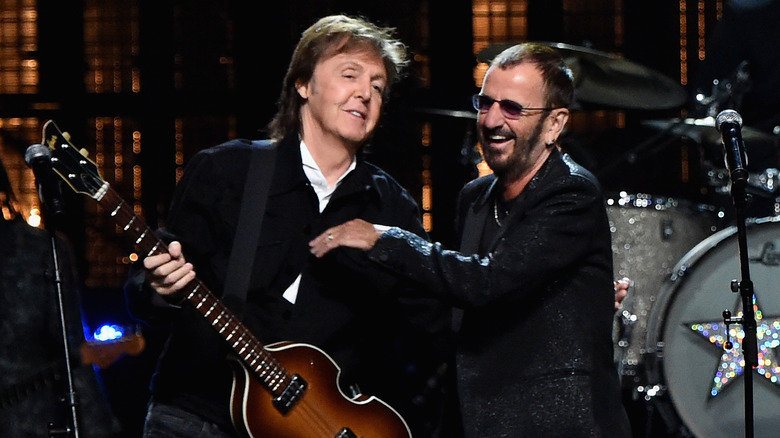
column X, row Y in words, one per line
column 246, row 346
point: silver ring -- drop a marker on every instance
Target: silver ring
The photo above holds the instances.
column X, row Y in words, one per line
column 330, row 236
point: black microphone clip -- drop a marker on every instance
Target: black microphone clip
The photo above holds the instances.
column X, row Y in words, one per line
column 729, row 124
column 38, row 157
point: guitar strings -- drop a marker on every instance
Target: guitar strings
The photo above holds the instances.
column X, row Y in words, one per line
column 316, row 416
column 309, row 411
column 325, row 422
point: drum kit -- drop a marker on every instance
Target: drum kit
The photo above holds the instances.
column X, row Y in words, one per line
column 682, row 255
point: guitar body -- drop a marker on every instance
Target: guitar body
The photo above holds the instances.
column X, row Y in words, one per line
column 323, row 411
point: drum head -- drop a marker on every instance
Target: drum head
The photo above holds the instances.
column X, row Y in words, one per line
column 686, row 361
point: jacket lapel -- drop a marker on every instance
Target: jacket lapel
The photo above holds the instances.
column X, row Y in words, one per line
column 482, row 206
column 475, row 219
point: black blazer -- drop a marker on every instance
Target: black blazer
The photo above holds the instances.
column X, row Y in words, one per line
column 535, row 345
column 346, row 305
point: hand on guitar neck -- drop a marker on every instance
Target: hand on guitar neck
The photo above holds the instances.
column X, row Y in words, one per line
column 169, row 272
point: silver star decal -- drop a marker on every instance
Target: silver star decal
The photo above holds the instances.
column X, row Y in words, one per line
column 732, row 362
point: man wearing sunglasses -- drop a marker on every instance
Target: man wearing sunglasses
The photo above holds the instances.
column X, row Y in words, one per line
column 533, row 275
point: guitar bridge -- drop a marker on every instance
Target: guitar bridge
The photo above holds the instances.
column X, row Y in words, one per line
column 294, row 391
column 346, row 433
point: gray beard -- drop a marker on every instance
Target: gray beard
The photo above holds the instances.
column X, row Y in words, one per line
column 519, row 162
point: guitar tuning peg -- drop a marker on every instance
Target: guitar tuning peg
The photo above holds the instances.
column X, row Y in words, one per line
column 66, row 135
column 84, row 152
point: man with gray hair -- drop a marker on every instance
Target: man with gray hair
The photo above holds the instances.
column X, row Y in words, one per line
column 332, row 96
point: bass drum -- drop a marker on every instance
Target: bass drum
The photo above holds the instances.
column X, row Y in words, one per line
column 682, row 363
column 649, row 235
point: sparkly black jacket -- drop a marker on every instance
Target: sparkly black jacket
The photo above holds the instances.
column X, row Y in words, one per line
column 534, row 354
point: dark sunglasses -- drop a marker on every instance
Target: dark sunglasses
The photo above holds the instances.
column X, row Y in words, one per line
column 509, row 108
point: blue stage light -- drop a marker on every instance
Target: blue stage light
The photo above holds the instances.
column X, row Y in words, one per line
column 108, row 332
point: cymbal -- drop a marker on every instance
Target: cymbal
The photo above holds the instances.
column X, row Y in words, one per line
column 606, row 80
column 703, row 130
column 458, row 114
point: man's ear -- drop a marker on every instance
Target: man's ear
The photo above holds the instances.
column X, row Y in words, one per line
column 558, row 120
column 303, row 89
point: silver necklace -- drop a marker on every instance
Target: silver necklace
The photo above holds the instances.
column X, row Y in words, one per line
column 495, row 213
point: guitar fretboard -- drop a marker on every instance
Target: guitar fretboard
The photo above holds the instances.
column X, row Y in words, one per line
column 239, row 338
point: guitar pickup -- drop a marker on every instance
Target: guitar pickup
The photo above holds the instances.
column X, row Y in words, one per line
column 290, row 396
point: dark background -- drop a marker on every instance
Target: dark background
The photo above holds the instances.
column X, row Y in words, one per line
column 216, row 68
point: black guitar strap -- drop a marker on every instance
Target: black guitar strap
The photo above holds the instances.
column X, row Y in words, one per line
column 250, row 221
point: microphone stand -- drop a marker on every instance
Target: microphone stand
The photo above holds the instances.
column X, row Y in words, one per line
column 748, row 319
column 49, row 220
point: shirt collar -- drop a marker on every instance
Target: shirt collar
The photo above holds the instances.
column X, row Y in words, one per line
column 317, row 179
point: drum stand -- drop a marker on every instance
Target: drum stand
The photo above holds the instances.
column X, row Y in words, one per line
column 748, row 319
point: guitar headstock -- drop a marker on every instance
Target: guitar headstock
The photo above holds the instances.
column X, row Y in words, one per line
column 104, row 353
column 71, row 163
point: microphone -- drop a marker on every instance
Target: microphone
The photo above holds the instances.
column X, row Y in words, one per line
column 38, row 157
column 729, row 124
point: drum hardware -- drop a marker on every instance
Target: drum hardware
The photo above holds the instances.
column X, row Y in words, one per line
column 728, row 320
column 725, row 93
column 646, row 150
column 718, row 179
column 628, row 319
column 766, row 182
column 649, row 392
column 763, row 190
column 769, row 256
column 623, row 335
